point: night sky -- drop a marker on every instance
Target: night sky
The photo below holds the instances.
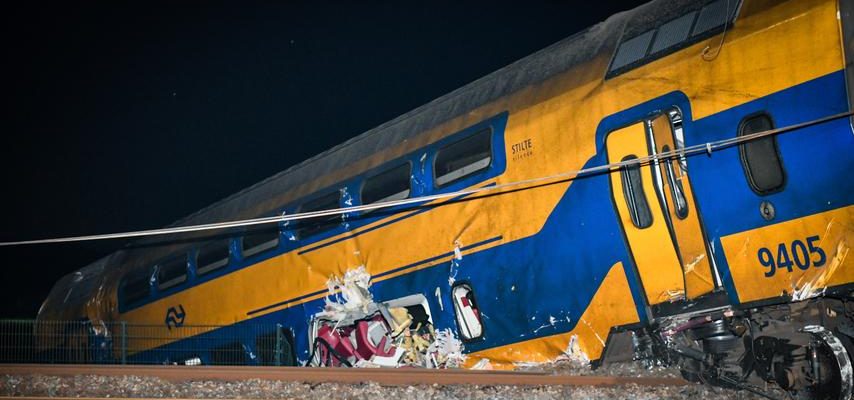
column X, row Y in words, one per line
column 123, row 116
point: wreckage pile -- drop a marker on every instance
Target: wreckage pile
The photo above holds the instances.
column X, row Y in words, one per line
column 355, row 331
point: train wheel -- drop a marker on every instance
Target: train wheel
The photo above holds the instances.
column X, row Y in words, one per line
column 831, row 374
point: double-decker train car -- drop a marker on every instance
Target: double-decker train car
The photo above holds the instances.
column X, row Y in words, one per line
column 731, row 262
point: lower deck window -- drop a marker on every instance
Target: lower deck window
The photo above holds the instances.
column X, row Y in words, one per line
column 229, row 354
column 468, row 314
column 275, row 348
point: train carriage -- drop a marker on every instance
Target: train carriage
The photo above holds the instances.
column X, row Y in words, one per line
column 670, row 183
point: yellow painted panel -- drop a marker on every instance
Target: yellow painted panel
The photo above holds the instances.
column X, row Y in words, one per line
column 652, row 247
column 835, row 232
column 560, row 116
column 691, row 245
column 611, row 306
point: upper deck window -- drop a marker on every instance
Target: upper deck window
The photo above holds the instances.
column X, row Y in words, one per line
column 760, row 157
column 647, row 39
column 172, row 272
column 212, row 256
column 390, row 185
column 463, row 158
column 313, row 226
column 259, row 239
column 673, row 32
column 135, row 286
column 632, row 50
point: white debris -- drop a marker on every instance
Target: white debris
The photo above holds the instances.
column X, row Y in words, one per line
column 446, row 351
column 574, row 354
column 552, row 321
column 458, row 254
column 354, row 300
column 370, row 334
column 455, row 263
column 390, row 361
column 483, row 364
column 348, row 199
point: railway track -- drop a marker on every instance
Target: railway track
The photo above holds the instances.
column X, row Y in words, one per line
column 392, row 377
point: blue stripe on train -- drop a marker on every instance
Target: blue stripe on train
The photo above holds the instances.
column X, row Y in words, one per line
column 521, row 285
column 817, row 161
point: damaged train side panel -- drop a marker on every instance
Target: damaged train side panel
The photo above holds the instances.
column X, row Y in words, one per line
column 551, row 270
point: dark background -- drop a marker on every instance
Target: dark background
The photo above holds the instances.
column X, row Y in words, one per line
column 123, row 116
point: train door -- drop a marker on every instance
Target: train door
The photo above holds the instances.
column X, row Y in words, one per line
column 657, row 211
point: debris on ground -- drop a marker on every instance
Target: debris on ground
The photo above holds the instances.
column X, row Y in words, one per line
column 353, row 330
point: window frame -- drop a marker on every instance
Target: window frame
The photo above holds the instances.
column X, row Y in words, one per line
column 298, row 231
column 202, row 270
column 161, row 285
column 692, row 39
column 458, row 318
column 490, row 132
column 745, row 164
column 262, row 247
column 364, row 182
column 230, row 353
column 677, row 188
column 625, row 183
column 145, row 274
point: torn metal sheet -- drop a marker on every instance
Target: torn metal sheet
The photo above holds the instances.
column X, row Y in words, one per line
column 354, row 330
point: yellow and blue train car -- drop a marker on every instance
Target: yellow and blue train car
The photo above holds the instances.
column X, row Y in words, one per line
column 705, row 260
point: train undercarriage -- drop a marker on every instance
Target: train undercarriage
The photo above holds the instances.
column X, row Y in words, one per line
column 802, row 348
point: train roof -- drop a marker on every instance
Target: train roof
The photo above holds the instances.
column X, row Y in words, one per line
column 535, row 68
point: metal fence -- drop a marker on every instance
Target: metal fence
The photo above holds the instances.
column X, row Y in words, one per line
column 73, row 342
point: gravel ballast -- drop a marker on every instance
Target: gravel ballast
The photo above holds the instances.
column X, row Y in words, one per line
column 136, row 386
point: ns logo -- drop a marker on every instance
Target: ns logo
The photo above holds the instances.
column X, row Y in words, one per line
column 175, row 317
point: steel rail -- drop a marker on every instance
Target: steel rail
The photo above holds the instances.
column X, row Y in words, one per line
column 383, row 376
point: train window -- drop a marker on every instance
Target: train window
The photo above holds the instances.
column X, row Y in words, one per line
column 630, row 176
column 714, row 15
column 212, row 256
column 468, row 314
column 760, row 157
column 679, row 137
column 463, row 158
column 390, row 185
column 632, row 50
column 312, row 226
column 275, row 348
column 229, row 354
column 172, row 272
column 677, row 191
column 259, row 239
column 646, row 39
column 673, row 32
column 136, row 286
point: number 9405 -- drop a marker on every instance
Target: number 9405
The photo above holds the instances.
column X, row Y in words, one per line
column 802, row 255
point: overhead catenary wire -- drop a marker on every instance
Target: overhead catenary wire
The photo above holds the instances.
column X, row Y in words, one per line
column 707, row 147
